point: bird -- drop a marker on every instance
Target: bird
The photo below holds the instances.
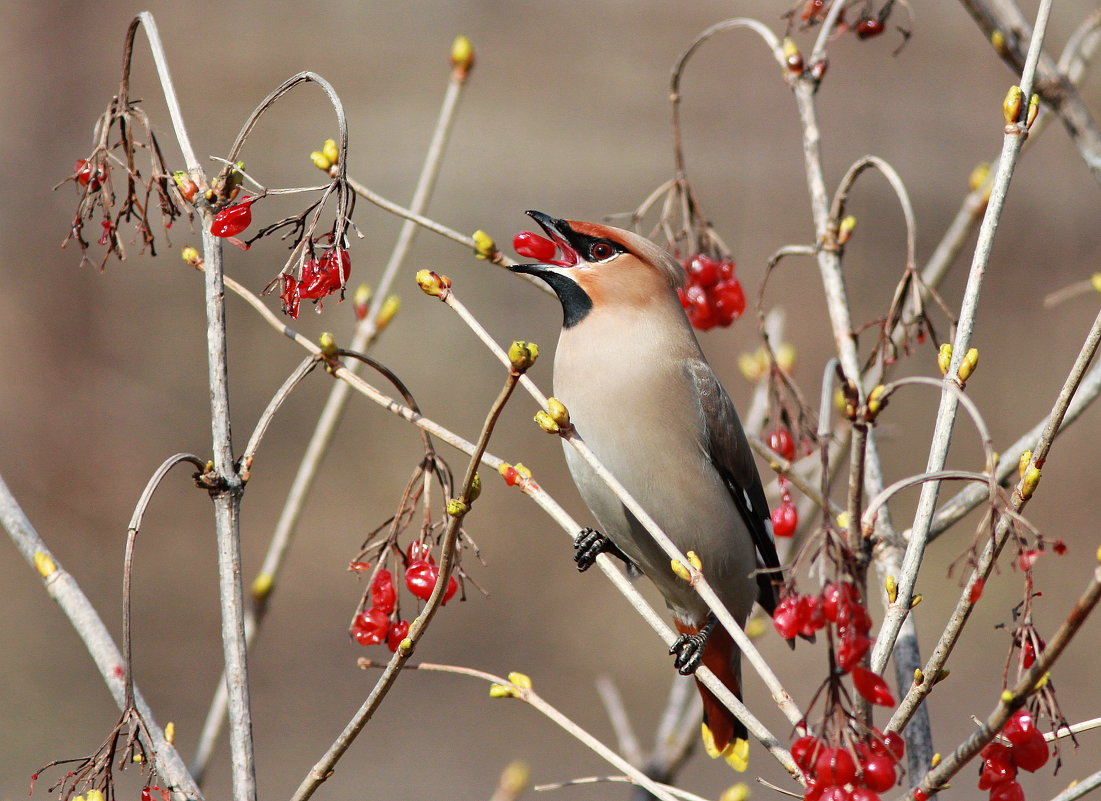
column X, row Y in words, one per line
column 642, row 396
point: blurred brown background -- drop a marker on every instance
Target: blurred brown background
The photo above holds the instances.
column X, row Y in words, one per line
column 103, row 375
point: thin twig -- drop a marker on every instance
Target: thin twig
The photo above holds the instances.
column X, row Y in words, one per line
column 620, row 720
column 277, row 400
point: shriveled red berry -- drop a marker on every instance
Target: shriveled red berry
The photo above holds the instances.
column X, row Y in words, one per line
column 781, row 441
column 532, row 246
column 82, row 171
column 868, row 27
column 290, row 296
column 1059, row 547
column 976, row 590
column 834, row 766
column 785, row 519
column 232, row 220
column 872, row 686
column 1007, row 791
column 1026, row 560
column 383, row 594
column 398, row 632
column 878, row 772
column 370, row 626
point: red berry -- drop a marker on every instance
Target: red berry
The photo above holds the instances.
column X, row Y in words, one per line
column 1059, row 547
column 700, row 311
column 359, row 567
column 290, row 296
column 1020, row 728
column 976, row 590
column 864, row 794
column 370, row 627
column 879, row 773
column 728, row 299
column 1007, row 791
column 997, row 766
column 895, row 744
column 920, row 795
column 533, row 246
column 836, row 594
column 853, row 615
column 232, row 220
column 814, row 788
column 421, row 578
column 1032, row 754
column 702, row 271
column 146, row 795
column 868, row 27
column 810, row 615
column 836, row 793
column 383, row 594
column 419, row 551
column 805, row 750
column 398, row 632
column 726, row 269
column 834, row 766
column 781, row 441
column 785, row 519
column 851, row 649
column 813, row 9
column 872, row 686
column 786, row 617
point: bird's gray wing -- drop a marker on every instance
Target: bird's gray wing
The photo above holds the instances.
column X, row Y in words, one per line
column 725, row 444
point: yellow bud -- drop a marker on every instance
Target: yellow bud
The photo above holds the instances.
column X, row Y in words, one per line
column 694, row 560
column 501, row 691
column 432, row 283
column 558, row 412
column 876, row 401
column 360, row 300
column 891, row 586
column 756, row 627
column 522, row 355
column 515, row 778
column 785, row 357
column 1095, row 282
column 262, row 586
column 97, row 795
column 919, row 677
column 1007, row 696
column 916, row 600
column 462, row 56
column 843, row 521
column 792, row 57
column 845, row 229
column 44, row 564
column 170, row 732
column 386, row 313
column 136, row 758
column 1033, row 108
column 839, row 399
column 1097, row 555
column 330, row 151
column 519, row 467
column 935, row 760
column 406, row 645
column 475, row 487
column 319, row 161
column 751, row 367
column 977, row 179
column 1011, row 106
column 484, row 246
column 969, row 363
column 997, row 39
column 191, row 256
column 185, row 184
column 1023, row 463
column 1040, row 682
column 1029, row 481
column 456, row 508
column 678, row 567
column 546, row 422
column 735, row 792
column 328, row 345
column 944, row 358
column 521, row 680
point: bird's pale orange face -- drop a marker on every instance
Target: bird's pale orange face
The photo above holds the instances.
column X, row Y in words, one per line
column 601, row 267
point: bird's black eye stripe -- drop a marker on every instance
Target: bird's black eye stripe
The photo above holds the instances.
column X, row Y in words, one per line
column 594, row 248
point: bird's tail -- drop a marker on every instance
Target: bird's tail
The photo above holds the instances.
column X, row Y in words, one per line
column 723, row 734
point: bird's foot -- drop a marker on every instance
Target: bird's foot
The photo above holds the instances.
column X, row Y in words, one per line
column 688, row 649
column 589, row 544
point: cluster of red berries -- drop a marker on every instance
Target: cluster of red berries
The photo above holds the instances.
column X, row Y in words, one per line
column 840, row 773
column 866, row 27
column 714, row 295
column 320, row 278
column 380, row 622
column 1026, row 749
column 785, row 517
column 839, row 604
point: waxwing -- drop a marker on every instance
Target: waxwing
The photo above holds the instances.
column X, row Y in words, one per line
column 641, row 395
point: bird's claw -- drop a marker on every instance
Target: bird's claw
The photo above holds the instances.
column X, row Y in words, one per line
column 688, row 649
column 588, row 545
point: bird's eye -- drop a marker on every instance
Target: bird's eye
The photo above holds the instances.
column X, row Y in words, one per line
column 602, row 250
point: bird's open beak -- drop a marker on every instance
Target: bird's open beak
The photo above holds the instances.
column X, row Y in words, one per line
column 558, row 231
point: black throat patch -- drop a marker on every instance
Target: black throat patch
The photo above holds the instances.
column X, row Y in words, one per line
column 576, row 304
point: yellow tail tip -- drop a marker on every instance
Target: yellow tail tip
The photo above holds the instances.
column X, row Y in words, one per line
column 736, row 754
